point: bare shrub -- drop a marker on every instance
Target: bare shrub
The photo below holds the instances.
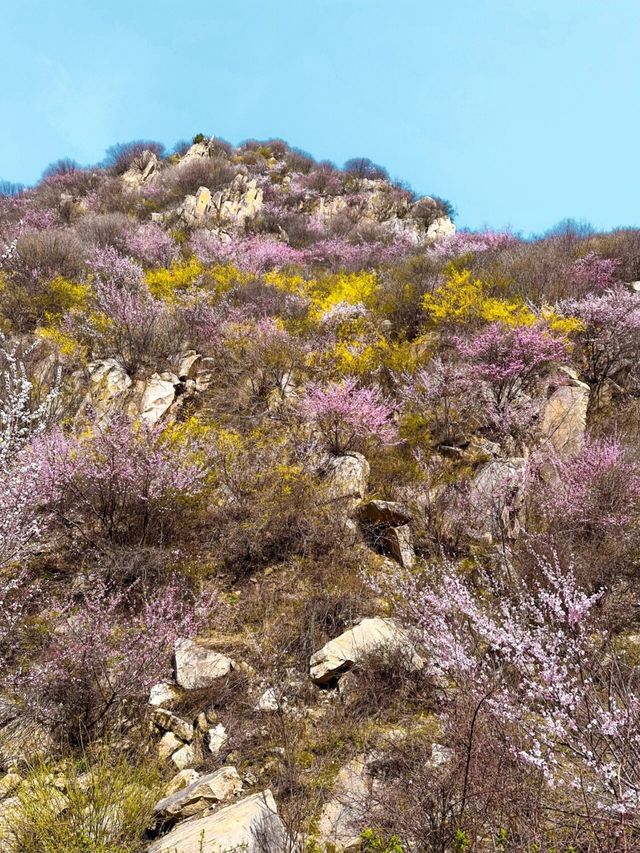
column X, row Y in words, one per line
column 212, row 172
column 121, row 156
column 363, row 167
column 104, row 229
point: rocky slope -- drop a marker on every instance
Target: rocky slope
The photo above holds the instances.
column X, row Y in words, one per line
column 318, row 520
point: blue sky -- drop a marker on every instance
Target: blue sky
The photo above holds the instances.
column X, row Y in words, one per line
column 521, row 112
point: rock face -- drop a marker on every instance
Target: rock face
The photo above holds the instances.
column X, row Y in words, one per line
column 347, row 480
column 157, row 397
column 387, row 524
column 241, row 826
column 392, row 213
column 197, row 666
column 370, row 636
column 439, row 228
column 400, row 544
column 232, row 206
column 109, row 384
column 564, row 417
column 142, row 171
column 496, row 496
column 216, row 787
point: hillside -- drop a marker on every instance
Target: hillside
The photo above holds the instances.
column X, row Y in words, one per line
column 319, row 519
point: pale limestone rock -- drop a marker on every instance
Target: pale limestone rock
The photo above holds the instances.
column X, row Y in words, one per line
column 216, row 738
column 186, row 364
column 347, row 480
column 440, row 228
column 157, row 397
column 169, row 722
column 163, row 695
column 400, row 543
column 109, row 385
column 496, row 495
column 181, row 780
column 185, row 756
column 197, row 666
column 564, row 417
column 233, row 828
column 201, row 794
column 202, row 203
column 236, row 204
column 142, row 171
column 268, row 701
column 169, row 743
column 370, row 636
column 197, row 150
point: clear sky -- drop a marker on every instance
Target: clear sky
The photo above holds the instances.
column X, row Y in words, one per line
column 521, row 112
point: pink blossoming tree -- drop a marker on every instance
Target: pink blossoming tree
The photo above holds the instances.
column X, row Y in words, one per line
column 348, row 416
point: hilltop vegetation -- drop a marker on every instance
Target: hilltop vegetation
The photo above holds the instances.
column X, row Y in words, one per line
column 318, row 503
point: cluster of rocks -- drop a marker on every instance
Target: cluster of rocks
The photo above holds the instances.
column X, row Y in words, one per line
column 107, row 388
column 376, row 204
column 385, row 524
column 206, row 809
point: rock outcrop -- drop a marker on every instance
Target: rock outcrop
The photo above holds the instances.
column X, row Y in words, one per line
column 197, row 666
column 347, row 478
column 564, row 417
column 247, row 825
column 373, row 636
column 217, row 787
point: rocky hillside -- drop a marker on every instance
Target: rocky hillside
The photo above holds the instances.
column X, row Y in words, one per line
column 318, row 518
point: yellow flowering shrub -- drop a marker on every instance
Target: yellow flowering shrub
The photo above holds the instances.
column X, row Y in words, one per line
column 164, row 283
column 66, row 344
column 462, row 299
column 351, row 288
column 564, row 326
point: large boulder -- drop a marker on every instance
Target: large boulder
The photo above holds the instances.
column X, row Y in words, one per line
column 143, row 170
column 440, row 228
column 158, row 396
column 496, row 496
column 109, row 385
column 564, row 417
column 377, row 636
column 198, row 666
column 399, row 541
column 347, row 478
column 377, row 512
column 217, row 787
column 386, row 525
column 250, row 825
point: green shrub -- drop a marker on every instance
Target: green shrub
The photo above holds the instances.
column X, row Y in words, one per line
column 95, row 803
